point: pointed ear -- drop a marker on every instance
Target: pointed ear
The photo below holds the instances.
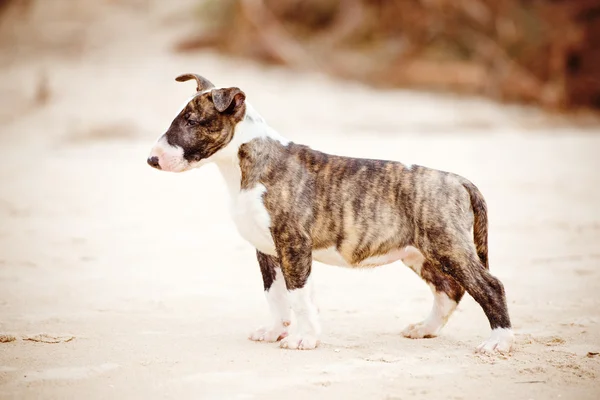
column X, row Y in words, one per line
column 228, row 99
column 202, row 83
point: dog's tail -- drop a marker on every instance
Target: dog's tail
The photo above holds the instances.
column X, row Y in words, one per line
column 480, row 224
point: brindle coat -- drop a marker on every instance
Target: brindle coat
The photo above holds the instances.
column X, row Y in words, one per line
column 361, row 208
column 348, row 202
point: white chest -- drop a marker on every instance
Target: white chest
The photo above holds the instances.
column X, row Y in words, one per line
column 252, row 219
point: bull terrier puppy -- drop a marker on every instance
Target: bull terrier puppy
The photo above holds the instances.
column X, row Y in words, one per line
column 295, row 205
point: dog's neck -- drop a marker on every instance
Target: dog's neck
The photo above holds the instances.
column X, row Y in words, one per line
column 253, row 126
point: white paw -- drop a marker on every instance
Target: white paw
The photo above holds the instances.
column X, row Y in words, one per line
column 269, row 334
column 299, row 342
column 420, row 331
column 501, row 341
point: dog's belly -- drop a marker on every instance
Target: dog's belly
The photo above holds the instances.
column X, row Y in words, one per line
column 253, row 222
column 332, row 256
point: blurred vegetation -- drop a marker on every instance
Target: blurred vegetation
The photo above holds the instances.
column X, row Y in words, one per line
column 545, row 52
column 19, row 3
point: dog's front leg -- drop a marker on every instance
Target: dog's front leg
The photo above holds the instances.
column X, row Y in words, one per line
column 277, row 297
column 296, row 261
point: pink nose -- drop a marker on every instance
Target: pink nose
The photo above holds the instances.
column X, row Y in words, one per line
column 153, row 162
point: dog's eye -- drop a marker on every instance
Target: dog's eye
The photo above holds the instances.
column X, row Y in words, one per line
column 188, row 119
column 193, row 122
column 202, row 122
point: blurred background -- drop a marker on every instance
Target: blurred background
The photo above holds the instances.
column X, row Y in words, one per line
column 120, row 281
column 542, row 52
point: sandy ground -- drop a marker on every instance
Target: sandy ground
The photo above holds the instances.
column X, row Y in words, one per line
column 151, row 292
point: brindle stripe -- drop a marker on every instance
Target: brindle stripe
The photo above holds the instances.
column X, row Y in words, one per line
column 366, row 208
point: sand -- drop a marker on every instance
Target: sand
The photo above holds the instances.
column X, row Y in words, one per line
column 133, row 283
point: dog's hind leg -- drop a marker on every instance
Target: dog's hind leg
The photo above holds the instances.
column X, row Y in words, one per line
column 459, row 259
column 447, row 293
column 276, row 294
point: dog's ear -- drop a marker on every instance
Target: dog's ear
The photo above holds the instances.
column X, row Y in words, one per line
column 201, row 82
column 228, row 100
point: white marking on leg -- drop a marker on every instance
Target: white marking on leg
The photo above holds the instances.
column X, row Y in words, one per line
column 443, row 307
column 277, row 298
column 500, row 341
column 305, row 335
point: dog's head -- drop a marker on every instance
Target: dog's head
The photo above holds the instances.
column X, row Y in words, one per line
column 205, row 125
